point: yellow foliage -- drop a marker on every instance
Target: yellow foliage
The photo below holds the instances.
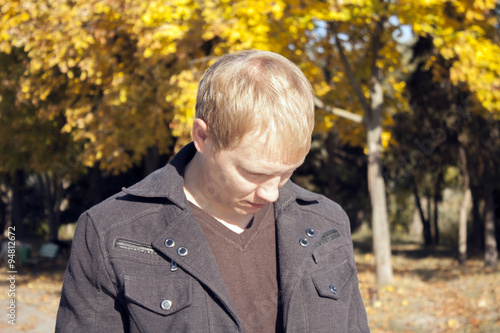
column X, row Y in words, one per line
column 123, row 74
column 386, row 138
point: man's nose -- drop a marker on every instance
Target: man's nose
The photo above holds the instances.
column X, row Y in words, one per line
column 269, row 191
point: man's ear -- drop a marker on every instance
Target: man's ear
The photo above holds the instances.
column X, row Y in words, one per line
column 200, row 135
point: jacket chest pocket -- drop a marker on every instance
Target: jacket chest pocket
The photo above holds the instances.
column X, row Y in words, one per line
column 162, row 297
column 164, row 305
column 327, row 297
column 331, row 283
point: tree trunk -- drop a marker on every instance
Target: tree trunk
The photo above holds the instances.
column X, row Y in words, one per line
column 416, row 229
column 380, row 223
column 95, row 186
column 437, row 195
column 376, row 184
column 4, row 202
column 151, row 160
column 477, row 221
column 53, row 191
column 429, row 215
column 464, row 208
column 373, row 120
column 56, row 209
column 490, row 242
column 17, row 208
column 425, row 222
column 462, row 226
column 331, row 171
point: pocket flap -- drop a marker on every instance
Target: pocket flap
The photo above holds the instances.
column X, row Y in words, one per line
column 330, row 283
column 164, row 297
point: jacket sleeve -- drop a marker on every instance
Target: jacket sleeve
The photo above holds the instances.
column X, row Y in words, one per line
column 89, row 300
column 358, row 321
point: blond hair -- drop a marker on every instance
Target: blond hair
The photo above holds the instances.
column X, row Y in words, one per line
column 257, row 91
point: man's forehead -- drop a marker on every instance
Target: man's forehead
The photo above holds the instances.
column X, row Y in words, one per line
column 266, row 167
column 265, row 160
column 266, row 147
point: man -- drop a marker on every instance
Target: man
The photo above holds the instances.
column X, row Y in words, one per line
column 220, row 240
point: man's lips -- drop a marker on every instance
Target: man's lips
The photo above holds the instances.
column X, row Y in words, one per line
column 256, row 205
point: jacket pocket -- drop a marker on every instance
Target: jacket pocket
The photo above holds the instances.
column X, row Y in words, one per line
column 163, row 297
column 331, row 283
column 134, row 246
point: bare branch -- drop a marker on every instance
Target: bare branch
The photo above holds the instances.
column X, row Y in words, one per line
column 337, row 111
column 376, row 92
column 350, row 74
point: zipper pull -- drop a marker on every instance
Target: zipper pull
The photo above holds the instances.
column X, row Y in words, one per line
column 173, row 266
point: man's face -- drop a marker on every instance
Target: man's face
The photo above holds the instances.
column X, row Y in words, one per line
column 244, row 179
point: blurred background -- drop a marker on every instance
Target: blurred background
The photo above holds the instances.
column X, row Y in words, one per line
column 95, row 95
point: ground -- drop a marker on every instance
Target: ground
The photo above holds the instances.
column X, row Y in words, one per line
column 37, row 299
column 431, row 293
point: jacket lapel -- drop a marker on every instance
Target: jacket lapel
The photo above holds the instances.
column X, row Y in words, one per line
column 191, row 251
column 294, row 244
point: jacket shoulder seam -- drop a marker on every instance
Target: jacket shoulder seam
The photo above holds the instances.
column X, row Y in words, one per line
column 343, row 218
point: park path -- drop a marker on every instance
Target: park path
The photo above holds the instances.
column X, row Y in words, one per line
column 37, row 300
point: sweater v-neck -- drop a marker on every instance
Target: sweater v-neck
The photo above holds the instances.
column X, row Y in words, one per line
column 240, row 241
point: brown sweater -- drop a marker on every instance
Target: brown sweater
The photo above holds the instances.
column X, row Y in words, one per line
column 247, row 262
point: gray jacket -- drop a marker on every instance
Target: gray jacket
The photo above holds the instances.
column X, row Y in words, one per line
column 140, row 263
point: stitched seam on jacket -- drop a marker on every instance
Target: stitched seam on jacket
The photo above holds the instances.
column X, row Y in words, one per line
column 356, row 302
column 209, row 315
column 97, row 284
column 155, row 210
column 104, row 260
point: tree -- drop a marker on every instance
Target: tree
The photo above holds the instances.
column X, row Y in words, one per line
column 109, row 69
column 29, row 144
column 453, row 129
column 482, row 141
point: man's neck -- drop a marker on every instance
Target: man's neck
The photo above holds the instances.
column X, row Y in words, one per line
column 193, row 182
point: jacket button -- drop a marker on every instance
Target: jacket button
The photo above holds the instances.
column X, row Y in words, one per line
column 304, row 242
column 182, row 251
column 310, row 232
column 333, row 289
column 166, row 304
column 169, row 242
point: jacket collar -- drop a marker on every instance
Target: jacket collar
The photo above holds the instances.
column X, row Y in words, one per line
column 168, row 182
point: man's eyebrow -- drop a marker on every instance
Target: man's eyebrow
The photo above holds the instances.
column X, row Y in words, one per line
column 254, row 171
column 261, row 172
